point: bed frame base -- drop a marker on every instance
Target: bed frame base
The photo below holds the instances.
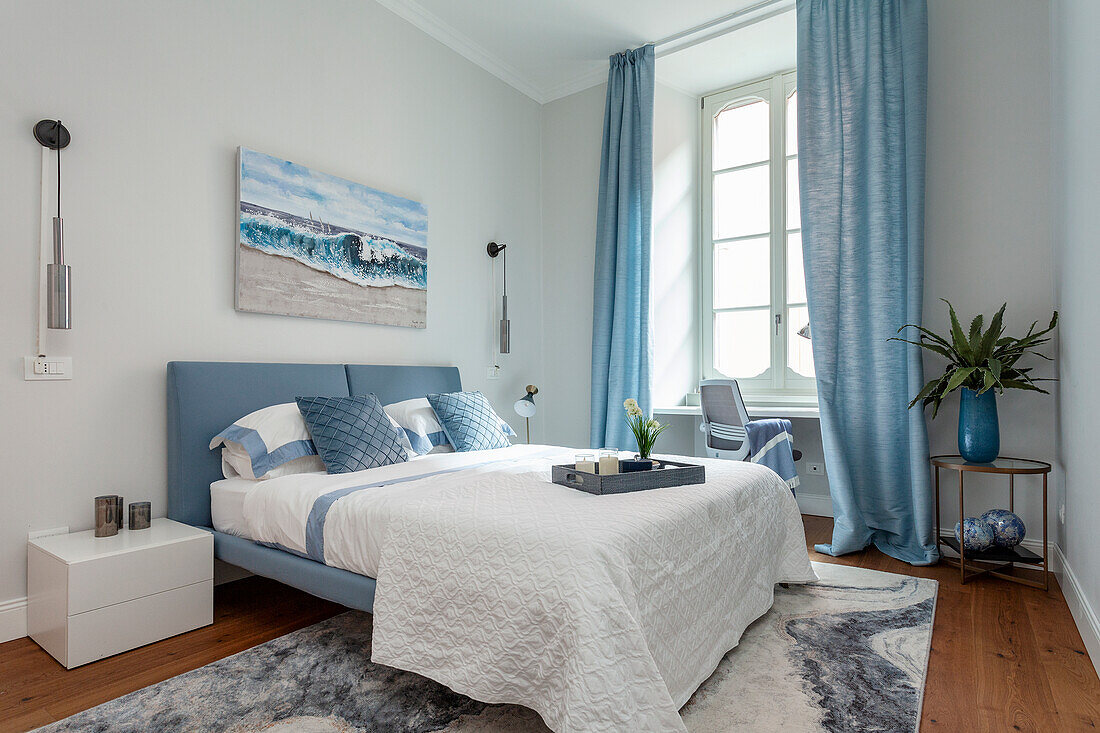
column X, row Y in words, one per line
column 333, row 584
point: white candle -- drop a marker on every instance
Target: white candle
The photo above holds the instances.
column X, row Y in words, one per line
column 609, row 462
column 585, row 462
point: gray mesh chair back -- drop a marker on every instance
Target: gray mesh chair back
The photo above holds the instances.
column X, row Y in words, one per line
column 724, row 418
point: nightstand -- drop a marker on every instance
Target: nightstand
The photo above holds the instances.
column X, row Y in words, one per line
column 90, row 597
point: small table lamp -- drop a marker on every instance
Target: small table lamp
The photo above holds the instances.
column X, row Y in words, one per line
column 525, row 407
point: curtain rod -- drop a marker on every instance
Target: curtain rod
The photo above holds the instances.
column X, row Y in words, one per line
column 669, row 42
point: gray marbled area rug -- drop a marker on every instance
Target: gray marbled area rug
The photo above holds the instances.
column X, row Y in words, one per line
column 848, row 653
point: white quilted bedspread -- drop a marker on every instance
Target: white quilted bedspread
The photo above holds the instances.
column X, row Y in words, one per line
column 603, row 613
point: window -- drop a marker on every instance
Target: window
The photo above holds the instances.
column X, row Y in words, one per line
column 754, row 290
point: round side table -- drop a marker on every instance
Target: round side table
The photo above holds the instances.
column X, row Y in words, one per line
column 999, row 562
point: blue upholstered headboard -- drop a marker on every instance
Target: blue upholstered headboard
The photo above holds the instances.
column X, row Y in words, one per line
column 206, row 396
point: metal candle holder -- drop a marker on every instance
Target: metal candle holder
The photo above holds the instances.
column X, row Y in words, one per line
column 106, row 516
column 140, row 515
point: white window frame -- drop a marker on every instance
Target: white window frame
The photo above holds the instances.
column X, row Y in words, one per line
column 780, row 381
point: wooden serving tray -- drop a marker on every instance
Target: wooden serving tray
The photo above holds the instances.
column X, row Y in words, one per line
column 670, row 473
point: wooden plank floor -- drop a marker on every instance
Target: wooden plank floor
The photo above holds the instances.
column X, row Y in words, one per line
column 35, row 689
column 1004, row 657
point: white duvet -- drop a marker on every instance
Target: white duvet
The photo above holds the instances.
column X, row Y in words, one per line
column 603, row 613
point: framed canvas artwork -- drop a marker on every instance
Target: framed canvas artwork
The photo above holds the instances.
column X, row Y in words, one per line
column 318, row 246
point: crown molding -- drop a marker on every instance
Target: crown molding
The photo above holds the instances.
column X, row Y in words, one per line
column 431, row 24
column 586, row 80
column 441, row 31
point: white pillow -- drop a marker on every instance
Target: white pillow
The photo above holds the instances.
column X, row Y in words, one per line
column 419, row 423
column 268, row 443
column 275, row 442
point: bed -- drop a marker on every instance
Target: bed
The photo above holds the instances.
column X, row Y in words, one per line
column 601, row 613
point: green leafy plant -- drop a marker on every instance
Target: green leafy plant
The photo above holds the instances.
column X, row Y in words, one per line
column 979, row 360
column 645, row 430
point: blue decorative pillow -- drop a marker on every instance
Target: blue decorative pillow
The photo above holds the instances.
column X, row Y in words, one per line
column 469, row 421
column 351, row 433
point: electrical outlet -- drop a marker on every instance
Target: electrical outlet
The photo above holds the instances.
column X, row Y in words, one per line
column 42, row 368
column 815, row 469
column 492, row 372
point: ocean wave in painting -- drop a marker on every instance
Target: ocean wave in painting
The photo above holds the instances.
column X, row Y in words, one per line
column 361, row 258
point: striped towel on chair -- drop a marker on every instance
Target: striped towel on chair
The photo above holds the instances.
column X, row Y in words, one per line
column 771, row 443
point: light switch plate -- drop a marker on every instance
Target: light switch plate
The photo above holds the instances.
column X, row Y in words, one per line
column 47, row 368
column 815, row 469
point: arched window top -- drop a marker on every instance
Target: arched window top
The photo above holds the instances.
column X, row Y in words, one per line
column 741, row 133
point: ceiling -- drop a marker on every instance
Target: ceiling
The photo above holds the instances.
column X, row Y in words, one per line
column 739, row 56
column 548, row 49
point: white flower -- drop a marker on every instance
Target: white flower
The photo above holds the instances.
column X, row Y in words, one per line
column 653, row 424
column 630, row 403
column 634, row 411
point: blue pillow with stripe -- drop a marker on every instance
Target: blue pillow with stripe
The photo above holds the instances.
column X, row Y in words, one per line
column 469, row 421
column 352, row 433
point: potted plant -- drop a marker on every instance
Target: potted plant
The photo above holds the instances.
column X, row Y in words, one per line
column 645, row 430
column 981, row 363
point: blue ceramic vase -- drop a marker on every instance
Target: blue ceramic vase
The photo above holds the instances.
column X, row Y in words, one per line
column 979, row 433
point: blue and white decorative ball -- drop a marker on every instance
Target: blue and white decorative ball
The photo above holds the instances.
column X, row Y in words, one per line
column 976, row 536
column 1008, row 529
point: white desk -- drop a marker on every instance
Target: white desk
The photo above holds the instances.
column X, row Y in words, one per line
column 788, row 411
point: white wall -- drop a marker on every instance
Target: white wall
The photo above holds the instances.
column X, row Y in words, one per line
column 675, row 288
column 158, row 95
column 987, row 214
column 571, row 148
column 571, row 142
column 1077, row 193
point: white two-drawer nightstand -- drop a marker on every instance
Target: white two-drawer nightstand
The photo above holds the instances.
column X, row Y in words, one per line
column 90, row 597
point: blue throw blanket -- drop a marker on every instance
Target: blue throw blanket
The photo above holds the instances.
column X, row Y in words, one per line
column 771, row 443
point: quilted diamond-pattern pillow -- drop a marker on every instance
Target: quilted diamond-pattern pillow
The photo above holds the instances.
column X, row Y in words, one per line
column 469, row 421
column 351, row 433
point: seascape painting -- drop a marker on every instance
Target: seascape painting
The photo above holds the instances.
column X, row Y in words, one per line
column 318, row 246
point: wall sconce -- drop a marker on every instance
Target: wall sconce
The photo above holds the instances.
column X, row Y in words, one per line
column 59, row 308
column 495, row 249
column 525, row 407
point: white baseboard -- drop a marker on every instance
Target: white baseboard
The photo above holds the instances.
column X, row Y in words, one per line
column 13, row 619
column 820, row 505
column 1083, row 614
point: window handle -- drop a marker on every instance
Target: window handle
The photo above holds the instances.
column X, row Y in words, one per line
column 778, row 320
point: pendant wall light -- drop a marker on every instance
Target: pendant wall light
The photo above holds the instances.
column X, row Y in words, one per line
column 59, row 308
column 495, row 249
